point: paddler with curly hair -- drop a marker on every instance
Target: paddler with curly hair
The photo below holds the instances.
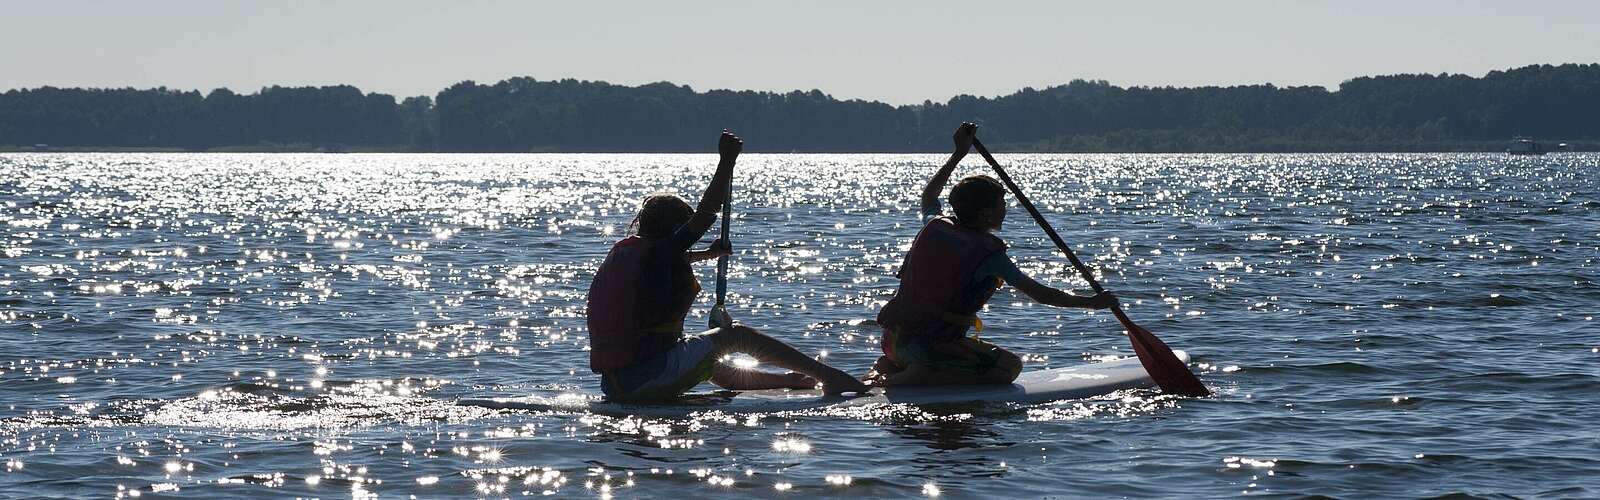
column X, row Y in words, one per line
column 954, row 266
column 644, row 289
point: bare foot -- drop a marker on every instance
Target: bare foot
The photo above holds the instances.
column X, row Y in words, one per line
column 793, row 380
column 909, row 376
column 844, row 384
column 883, row 368
column 881, row 371
column 886, row 366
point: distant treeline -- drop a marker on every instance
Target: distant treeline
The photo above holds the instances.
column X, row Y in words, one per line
column 1385, row 113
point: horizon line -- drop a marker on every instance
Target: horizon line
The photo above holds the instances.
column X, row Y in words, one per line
column 831, row 96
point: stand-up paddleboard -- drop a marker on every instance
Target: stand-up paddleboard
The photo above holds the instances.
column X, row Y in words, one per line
column 1083, row 381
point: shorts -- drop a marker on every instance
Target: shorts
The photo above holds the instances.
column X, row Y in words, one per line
column 959, row 354
column 666, row 375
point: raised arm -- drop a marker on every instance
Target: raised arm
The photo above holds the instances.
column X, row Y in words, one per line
column 705, row 213
column 930, row 195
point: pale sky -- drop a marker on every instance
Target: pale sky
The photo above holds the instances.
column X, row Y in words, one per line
column 897, row 52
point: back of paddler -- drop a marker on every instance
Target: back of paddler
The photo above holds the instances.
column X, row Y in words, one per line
column 953, row 268
column 644, row 289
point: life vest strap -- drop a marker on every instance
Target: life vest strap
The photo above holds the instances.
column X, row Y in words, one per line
column 964, row 320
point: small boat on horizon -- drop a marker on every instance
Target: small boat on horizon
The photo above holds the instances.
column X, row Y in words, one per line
column 1524, row 146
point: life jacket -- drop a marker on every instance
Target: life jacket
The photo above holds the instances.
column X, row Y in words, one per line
column 613, row 306
column 938, row 297
column 618, row 308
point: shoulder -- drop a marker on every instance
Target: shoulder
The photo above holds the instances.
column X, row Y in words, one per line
column 999, row 260
column 630, row 245
column 975, row 237
column 1000, row 265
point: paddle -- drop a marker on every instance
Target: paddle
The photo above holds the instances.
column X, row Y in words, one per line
column 718, row 311
column 1165, row 368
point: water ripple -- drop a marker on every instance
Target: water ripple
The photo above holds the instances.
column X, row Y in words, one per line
column 218, row 325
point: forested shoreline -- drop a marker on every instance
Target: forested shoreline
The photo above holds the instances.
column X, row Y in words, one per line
column 1412, row 112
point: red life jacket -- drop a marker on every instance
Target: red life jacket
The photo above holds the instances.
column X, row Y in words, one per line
column 613, row 306
column 937, row 295
column 618, row 309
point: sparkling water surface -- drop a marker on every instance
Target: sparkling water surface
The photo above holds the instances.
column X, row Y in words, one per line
column 219, row 325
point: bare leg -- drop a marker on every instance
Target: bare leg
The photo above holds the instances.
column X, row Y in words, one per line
column 740, row 338
column 742, row 379
column 1004, row 371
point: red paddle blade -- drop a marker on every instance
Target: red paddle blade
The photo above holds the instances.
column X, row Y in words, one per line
column 1164, row 367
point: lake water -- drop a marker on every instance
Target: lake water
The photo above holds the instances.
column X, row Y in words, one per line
column 213, row 325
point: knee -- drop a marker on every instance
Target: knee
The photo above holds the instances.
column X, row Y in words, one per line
column 735, row 331
column 730, row 337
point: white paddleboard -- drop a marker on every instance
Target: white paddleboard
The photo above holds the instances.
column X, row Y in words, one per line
column 1082, row 381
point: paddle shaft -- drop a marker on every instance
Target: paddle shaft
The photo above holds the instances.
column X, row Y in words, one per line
column 722, row 262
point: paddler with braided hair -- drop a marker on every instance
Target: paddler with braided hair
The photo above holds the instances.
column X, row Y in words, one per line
column 954, row 266
column 644, row 289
